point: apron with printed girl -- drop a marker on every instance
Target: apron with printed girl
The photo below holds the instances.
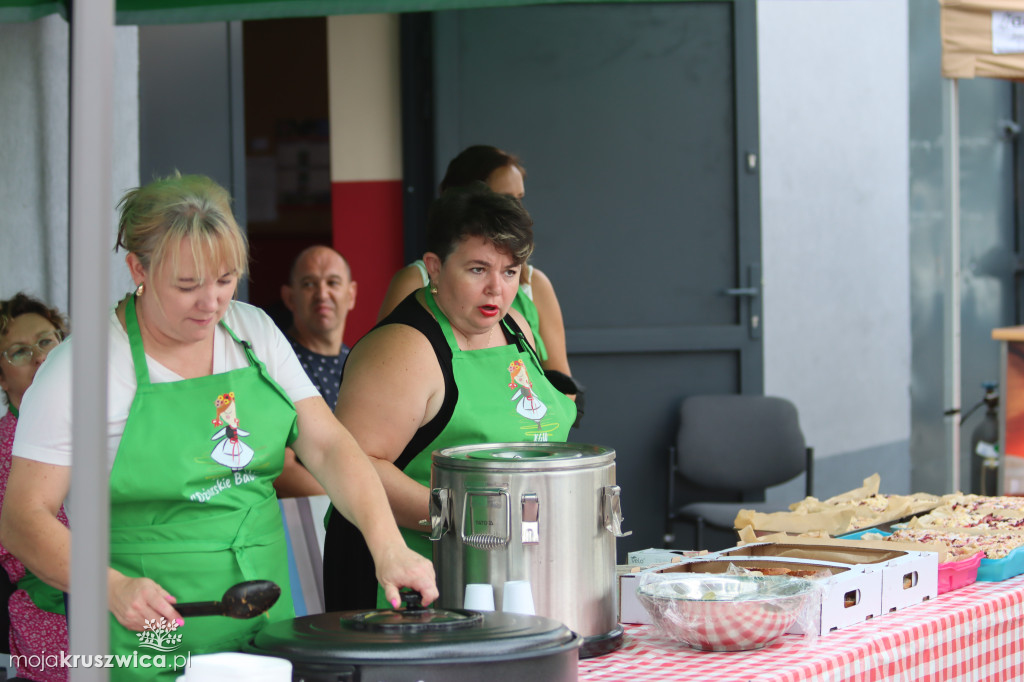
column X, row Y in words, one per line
column 192, row 502
column 503, row 397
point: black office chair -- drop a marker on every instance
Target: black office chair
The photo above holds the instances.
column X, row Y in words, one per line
column 728, row 451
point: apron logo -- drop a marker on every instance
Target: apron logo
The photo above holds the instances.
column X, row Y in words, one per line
column 159, row 635
column 230, row 451
column 529, row 405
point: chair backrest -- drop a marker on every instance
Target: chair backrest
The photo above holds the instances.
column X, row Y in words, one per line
column 739, row 442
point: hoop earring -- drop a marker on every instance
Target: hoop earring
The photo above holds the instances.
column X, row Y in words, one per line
column 140, row 289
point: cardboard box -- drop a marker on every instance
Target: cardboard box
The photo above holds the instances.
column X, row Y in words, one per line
column 631, row 611
column 656, row 556
column 850, row 594
column 910, row 580
column 908, row 577
column 981, row 38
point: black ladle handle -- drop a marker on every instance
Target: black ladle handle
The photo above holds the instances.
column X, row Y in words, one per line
column 244, row 600
column 200, row 608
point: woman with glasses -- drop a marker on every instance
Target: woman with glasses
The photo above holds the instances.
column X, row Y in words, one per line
column 29, row 330
column 204, row 394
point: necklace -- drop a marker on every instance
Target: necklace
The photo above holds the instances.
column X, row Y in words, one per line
column 469, row 344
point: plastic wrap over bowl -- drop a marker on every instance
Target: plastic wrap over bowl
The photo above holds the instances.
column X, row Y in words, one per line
column 716, row 612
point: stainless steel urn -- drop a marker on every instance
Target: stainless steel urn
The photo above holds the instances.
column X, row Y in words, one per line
column 546, row 513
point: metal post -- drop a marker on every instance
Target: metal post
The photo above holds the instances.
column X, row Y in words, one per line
column 91, row 170
column 951, row 119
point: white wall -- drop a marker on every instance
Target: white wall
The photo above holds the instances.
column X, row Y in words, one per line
column 834, row 183
column 34, row 154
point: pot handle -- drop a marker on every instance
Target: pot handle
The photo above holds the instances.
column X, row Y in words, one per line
column 440, row 512
column 612, row 509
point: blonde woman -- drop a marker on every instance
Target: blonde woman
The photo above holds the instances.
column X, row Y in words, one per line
column 193, row 508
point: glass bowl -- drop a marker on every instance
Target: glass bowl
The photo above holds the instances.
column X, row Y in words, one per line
column 713, row 612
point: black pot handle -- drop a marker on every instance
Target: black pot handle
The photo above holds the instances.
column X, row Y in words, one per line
column 413, row 600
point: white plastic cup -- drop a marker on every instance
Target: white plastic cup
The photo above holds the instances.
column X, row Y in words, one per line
column 479, row 597
column 230, row 666
column 517, row 597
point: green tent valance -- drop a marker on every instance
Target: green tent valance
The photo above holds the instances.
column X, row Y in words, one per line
column 29, row 10
column 139, row 12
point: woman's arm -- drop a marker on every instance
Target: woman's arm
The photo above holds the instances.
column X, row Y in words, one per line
column 334, row 457
column 393, row 385
column 295, row 479
column 405, row 281
column 551, row 326
column 29, row 529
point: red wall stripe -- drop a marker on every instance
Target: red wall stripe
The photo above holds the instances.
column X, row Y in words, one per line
column 367, row 228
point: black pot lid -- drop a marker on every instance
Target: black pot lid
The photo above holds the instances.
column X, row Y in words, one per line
column 410, row 620
column 355, row 637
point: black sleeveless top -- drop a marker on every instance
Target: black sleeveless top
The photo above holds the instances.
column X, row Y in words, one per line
column 411, row 313
column 350, row 582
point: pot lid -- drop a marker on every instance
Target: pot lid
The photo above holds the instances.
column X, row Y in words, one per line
column 414, row 618
column 526, row 456
column 332, row 638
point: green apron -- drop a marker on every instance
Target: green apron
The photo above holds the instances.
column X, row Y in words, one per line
column 503, row 397
column 192, row 498
column 525, row 305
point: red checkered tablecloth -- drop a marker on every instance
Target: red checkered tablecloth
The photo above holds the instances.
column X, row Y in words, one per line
column 972, row 634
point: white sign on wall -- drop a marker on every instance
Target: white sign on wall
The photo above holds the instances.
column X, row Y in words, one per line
column 1007, row 32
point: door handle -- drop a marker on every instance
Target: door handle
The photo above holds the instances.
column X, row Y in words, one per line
column 752, row 294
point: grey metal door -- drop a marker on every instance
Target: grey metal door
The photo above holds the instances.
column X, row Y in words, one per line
column 637, row 124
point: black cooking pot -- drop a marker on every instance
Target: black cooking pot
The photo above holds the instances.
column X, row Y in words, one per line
column 418, row 644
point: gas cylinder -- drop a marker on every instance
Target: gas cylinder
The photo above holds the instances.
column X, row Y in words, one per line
column 985, row 446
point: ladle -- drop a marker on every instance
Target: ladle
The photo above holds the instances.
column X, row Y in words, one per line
column 244, row 600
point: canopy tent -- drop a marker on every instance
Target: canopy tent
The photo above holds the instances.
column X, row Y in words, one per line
column 90, row 170
column 141, row 12
column 980, row 39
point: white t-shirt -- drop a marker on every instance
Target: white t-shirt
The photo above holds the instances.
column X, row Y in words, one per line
column 44, row 422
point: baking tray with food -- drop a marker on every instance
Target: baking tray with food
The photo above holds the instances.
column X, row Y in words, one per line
column 857, row 509
column 998, row 556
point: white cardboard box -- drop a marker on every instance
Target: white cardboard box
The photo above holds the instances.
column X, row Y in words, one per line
column 908, row 577
column 655, row 556
column 630, row 609
column 910, row 580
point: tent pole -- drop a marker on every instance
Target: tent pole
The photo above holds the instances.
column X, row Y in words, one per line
column 91, row 170
column 951, row 117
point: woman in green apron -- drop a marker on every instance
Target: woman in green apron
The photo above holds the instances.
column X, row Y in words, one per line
column 204, row 395
column 452, row 365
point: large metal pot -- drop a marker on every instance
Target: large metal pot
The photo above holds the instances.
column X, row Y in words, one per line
column 546, row 513
column 419, row 644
